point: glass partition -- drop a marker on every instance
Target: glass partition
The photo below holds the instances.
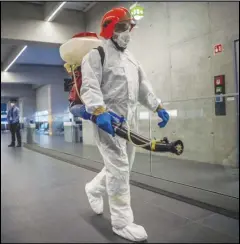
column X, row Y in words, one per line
column 210, row 157
column 53, row 131
column 143, row 157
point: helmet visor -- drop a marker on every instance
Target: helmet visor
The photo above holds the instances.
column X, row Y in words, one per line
column 124, row 26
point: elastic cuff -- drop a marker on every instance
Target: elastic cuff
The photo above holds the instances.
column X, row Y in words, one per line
column 159, row 107
column 99, row 110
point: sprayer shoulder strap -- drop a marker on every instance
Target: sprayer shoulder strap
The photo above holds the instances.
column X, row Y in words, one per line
column 101, row 53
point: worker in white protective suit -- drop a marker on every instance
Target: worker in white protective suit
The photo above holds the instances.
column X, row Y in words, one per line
column 117, row 85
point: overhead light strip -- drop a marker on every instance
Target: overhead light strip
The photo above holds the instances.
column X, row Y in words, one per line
column 55, row 12
column 19, row 54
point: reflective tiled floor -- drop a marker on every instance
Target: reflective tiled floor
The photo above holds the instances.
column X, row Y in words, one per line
column 43, row 200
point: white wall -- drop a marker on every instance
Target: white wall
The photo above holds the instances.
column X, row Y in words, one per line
column 59, row 106
column 28, row 105
column 53, row 99
column 59, row 99
column 43, row 98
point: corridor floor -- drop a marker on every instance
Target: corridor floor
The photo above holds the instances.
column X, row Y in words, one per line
column 43, row 200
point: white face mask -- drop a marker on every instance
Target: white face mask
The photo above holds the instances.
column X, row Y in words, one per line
column 123, row 38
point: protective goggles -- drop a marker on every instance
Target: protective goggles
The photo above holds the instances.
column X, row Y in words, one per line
column 124, row 26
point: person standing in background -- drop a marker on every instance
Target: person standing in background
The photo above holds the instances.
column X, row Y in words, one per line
column 14, row 125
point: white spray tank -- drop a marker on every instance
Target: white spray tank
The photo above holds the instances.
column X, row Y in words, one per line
column 73, row 51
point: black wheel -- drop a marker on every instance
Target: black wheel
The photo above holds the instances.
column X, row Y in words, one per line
column 178, row 147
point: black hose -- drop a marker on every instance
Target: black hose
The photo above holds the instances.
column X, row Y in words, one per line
column 164, row 145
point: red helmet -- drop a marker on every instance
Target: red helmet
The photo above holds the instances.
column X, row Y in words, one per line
column 111, row 18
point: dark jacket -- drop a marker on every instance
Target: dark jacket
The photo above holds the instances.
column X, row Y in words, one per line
column 13, row 115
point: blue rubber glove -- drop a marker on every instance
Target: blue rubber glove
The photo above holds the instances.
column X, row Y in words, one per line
column 104, row 121
column 84, row 114
column 163, row 114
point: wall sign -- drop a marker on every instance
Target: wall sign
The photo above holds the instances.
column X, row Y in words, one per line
column 218, row 48
column 219, row 88
column 137, row 11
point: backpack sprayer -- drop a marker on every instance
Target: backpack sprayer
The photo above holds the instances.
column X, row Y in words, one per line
column 72, row 52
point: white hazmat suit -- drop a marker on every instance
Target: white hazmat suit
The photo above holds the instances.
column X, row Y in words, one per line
column 117, row 85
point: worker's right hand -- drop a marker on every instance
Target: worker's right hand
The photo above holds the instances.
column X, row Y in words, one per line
column 104, row 121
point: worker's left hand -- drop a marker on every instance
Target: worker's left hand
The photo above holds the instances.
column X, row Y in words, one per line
column 163, row 114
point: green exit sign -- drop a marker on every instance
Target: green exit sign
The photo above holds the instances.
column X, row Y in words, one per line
column 137, row 11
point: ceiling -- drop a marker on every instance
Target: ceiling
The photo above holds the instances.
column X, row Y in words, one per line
column 79, row 5
column 34, row 55
column 40, row 54
column 6, row 49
